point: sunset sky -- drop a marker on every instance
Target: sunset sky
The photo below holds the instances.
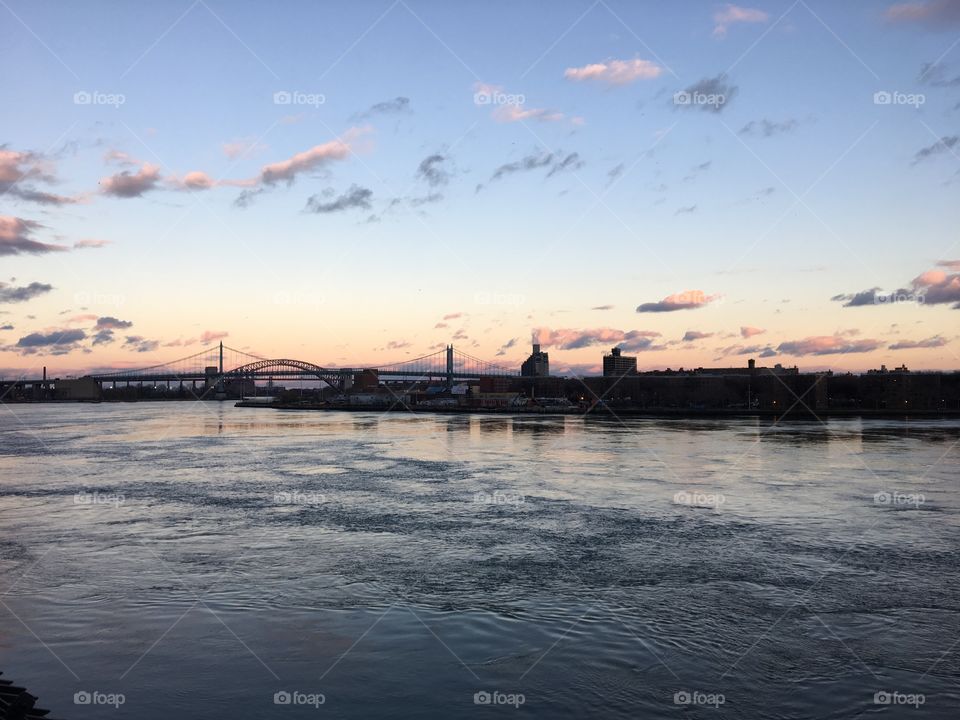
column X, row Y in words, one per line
column 358, row 183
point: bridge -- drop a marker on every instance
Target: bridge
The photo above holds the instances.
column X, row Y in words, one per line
column 219, row 364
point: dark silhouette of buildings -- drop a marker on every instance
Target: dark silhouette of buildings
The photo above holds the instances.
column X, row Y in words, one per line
column 617, row 365
column 537, row 365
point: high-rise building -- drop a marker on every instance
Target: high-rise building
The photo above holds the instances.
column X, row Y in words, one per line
column 537, row 365
column 617, row 365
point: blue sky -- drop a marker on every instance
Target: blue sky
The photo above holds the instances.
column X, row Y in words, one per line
column 768, row 211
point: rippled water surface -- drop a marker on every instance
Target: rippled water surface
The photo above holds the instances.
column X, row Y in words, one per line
column 198, row 558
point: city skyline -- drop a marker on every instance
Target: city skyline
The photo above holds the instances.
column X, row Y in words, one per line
column 373, row 183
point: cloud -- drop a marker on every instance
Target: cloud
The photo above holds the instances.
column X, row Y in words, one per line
column 440, row 325
column 615, row 72
column 507, row 345
column 355, row 197
column 397, row 345
column 18, row 168
column 111, row 323
column 556, row 162
column 933, row 287
column 53, row 338
column 13, row 294
column 212, row 335
column 103, row 337
column 119, row 157
column 748, row 332
column 934, row 14
column 938, row 287
column 733, row 14
column 933, row 342
column 127, row 184
column 827, row 345
column 572, row 339
column 769, row 128
column 453, row 316
column 243, row 146
column 687, row 300
column 431, row 170
column 16, row 237
column 602, row 307
column 763, row 351
column 686, row 210
column 935, row 75
column 518, row 113
column 692, row 335
column 709, row 95
column 317, row 156
column 140, row 344
column 944, row 144
column 387, row 107
column 90, row 243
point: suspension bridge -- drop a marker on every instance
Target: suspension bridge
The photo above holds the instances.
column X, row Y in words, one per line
column 219, row 364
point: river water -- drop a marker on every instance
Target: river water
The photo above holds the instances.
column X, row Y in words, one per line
column 197, row 560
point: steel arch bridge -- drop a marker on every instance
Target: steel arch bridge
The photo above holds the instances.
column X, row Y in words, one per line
column 286, row 368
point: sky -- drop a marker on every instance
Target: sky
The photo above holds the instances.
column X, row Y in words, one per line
column 359, row 183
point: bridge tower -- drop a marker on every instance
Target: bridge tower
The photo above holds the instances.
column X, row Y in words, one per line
column 449, row 367
column 221, row 357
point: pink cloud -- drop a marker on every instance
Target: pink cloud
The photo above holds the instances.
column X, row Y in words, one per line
column 211, row 335
column 687, row 300
column 933, row 13
column 517, row 113
column 692, row 335
column 827, row 345
column 733, row 14
column 16, row 237
column 936, row 287
column 615, row 72
column 748, row 332
column 933, row 342
column 128, row 184
column 90, row 243
column 573, row 339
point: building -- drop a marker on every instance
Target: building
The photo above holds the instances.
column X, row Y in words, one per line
column 537, row 365
column 617, row 365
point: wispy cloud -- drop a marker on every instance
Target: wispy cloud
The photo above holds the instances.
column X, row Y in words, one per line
column 615, row 72
column 733, row 15
column 686, row 300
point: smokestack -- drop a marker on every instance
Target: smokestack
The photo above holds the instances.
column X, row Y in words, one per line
column 44, row 373
column 752, row 364
column 536, row 348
